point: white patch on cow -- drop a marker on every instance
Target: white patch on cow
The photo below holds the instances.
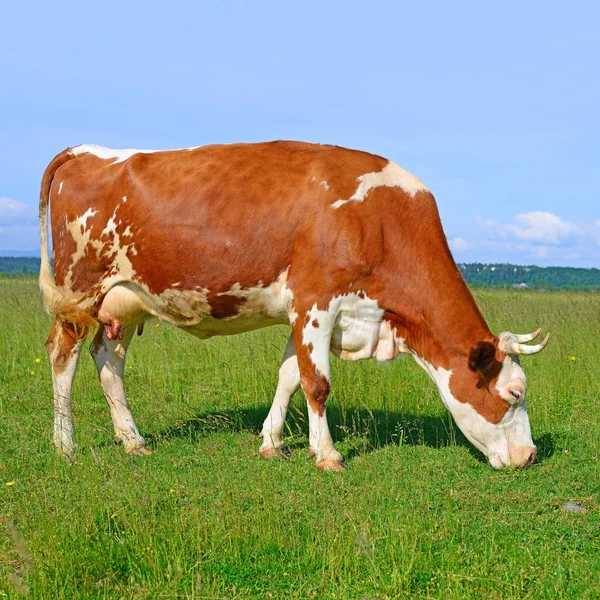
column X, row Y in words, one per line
column 111, row 225
column 117, row 156
column 353, row 328
column 81, row 236
column 288, row 383
column 319, row 438
column 360, row 332
column 317, row 332
column 184, row 308
column 392, row 175
column 127, row 232
column 109, row 356
column 60, row 187
column 511, row 377
column 120, row 265
column 324, row 185
column 62, row 382
column 260, row 306
column 500, row 442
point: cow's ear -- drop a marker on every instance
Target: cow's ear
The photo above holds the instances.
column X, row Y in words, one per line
column 482, row 357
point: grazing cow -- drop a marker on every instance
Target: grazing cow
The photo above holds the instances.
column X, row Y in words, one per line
column 345, row 247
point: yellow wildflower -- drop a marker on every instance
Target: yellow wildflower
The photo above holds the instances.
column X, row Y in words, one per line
column 171, row 491
column 32, row 372
column 37, row 360
column 10, row 483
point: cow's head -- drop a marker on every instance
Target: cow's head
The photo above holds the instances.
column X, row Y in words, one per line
column 485, row 392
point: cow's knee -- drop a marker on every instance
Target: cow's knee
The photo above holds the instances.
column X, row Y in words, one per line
column 316, row 388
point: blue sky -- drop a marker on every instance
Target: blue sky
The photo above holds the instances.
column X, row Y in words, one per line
column 495, row 106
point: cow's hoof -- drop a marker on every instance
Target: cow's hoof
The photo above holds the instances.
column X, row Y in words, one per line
column 271, row 453
column 137, row 448
column 332, row 464
column 64, row 451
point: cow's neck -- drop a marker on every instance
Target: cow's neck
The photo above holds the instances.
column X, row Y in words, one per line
column 437, row 317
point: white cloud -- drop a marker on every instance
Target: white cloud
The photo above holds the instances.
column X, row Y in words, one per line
column 541, row 227
column 459, row 244
column 14, row 213
column 539, row 237
column 19, row 228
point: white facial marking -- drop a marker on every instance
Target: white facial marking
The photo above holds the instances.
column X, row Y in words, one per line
column 392, row 175
column 513, row 378
column 498, row 442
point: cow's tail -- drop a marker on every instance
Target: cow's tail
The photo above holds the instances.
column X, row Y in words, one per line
column 54, row 300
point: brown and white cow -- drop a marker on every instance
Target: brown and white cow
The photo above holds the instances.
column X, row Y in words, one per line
column 345, row 247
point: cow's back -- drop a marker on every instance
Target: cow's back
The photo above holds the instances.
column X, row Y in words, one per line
column 210, row 217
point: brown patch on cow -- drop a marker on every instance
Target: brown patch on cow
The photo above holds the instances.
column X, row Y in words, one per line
column 223, row 306
column 315, row 323
column 98, row 343
column 482, row 360
column 62, row 341
column 318, row 392
column 475, row 382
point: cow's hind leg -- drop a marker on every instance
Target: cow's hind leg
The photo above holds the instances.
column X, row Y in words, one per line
column 63, row 346
column 312, row 336
column 289, row 382
column 109, row 356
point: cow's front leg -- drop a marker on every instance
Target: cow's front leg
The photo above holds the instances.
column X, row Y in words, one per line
column 63, row 347
column 312, row 336
column 109, row 356
column 289, row 382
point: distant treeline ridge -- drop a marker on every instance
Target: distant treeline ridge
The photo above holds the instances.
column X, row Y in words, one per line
column 475, row 274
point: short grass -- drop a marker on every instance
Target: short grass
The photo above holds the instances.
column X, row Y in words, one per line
column 418, row 514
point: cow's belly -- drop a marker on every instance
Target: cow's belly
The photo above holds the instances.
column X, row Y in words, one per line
column 128, row 303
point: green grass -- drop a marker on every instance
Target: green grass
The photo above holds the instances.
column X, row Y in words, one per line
column 418, row 514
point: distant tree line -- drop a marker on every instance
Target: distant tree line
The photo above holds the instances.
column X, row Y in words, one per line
column 475, row 274
column 548, row 278
column 14, row 266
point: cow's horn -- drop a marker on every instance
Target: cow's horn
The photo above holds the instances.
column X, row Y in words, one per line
column 527, row 337
column 510, row 343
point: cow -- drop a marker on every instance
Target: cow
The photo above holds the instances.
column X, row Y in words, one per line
column 345, row 247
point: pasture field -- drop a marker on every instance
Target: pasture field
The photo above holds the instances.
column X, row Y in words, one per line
column 418, row 514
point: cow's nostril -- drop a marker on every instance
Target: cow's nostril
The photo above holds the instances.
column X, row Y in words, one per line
column 530, row 459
